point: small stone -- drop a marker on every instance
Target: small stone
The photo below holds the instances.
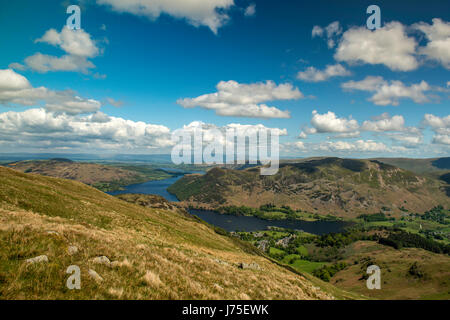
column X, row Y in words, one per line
column 102, row 260
column 72, row 250
column 252, row 265
column 94, row 275
column 52, row 232
column 38, row 259
column 224, row 263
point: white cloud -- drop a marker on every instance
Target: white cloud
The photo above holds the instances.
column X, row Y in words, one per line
column 440, row 126
column 45, row 63
column 345, row 135
column 329, row 122
column 389, row 46
column 314, row 75
column 292, row 147
column 245, row 100
column 12, row 81
column 410, row 141
column 240, row 129
column 75, row 105
column 196, row 12
column 250, row 10
column 384, row 123
column 436, row 122
column 78, row 46
column 115, row 103
column 38, row 128
column 16, row 89
column 356, row 146
column 389, row 93
column 317, row 31
column 441, row 139
column 302, row 135
column 332, row 31
column 73, row 42
column 438, row 35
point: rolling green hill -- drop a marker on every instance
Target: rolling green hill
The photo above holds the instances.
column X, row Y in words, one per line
column 343, row 187
column 151, row 253
column 103, row 177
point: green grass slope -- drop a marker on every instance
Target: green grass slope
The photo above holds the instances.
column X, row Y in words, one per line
column 155, row 253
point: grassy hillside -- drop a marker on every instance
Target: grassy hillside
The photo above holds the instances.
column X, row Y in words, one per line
column 429, row 279
column 413, row 270
column 103, row 177
column 155, row 253
column 343, row 187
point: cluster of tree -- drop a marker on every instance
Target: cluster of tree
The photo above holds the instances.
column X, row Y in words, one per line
column 402, row 239
column 238, row 211
column 342, row 239
column 375, row 217
column 327, row 272
column 438, row 235
column 261, row 212
column 272, row 208
column 436, row 214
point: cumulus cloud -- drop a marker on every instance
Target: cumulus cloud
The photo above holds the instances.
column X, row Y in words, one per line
column 389, row 45
column 114, row 103
column 390, row 92
column 330, row 32
column 45, row 63
column 15, row 89
column 78, row 46
column 239, row 129
column 384, row 123
column 438, row 46
column 314, row 75
column 393, row 127
column 409, row 141
column 356, row 146
column 250, row 10
column 440, row 126
column 330, row 123
column 211, row 13
column 245, row 100
column 441, row 139
column 40, row 128
column 74, row 42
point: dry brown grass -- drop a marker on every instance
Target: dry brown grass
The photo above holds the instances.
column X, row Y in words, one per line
column 156, row 254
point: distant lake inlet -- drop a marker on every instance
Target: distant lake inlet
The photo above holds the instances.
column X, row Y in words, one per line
column 229, row 222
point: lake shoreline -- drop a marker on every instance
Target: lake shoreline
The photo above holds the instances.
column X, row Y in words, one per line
column 231, row 222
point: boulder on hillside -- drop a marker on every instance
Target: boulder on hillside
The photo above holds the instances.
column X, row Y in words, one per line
column 38, row 259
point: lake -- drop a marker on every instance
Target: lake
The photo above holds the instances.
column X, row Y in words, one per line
column 244, row 223
column 229, row 222
column 158, row 187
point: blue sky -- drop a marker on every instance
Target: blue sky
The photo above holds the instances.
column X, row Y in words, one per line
column 117, row 85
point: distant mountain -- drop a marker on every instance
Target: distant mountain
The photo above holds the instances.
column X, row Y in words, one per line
column 104, row 177
column 419, row 165
column 344, row 187
column 143, row 158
